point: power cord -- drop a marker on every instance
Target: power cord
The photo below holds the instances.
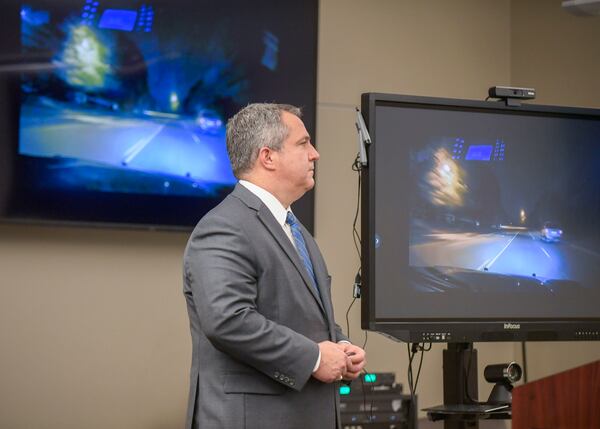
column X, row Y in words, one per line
column 413, row 382
column 357, row 166
column 348, row 318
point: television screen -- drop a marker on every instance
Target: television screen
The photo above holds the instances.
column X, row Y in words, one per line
column 114, row 111
column 482, row 221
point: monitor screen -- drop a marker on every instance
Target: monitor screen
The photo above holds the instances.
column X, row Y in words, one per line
column 482, row 221
column 115, row 110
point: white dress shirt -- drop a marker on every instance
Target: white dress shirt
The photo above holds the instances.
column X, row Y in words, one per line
column 273, row 204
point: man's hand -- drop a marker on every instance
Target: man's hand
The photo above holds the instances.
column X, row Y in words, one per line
column 355, row 362
column 334, row 362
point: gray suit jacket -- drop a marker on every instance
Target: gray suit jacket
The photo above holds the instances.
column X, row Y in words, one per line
column 255, row 322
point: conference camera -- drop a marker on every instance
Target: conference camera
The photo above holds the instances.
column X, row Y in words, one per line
column 504, row 375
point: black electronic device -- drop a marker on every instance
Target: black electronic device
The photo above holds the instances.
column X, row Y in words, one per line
column 480, row 221
column 504, row 375
column 376, row 401
column 511, row 92
column 113, row 112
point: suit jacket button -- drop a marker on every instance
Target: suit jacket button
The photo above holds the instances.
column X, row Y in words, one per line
column 292, row 382
column 286, row 379
column 276, row 374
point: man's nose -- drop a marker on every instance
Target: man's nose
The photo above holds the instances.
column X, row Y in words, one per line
column 314, row 155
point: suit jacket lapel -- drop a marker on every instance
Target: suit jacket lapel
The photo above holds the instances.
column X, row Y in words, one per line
column 267, row 218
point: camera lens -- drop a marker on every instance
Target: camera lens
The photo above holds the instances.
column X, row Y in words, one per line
column 503, row 373
column 513, row 372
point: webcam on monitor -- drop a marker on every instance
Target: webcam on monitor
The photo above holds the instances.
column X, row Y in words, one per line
column 511, row 95
column 512, row 92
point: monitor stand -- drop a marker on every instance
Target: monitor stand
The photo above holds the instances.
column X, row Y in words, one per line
column 461, row 409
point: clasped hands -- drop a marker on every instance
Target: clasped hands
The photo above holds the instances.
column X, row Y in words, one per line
column 339, row 361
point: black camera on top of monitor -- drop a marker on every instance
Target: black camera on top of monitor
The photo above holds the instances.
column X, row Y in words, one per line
column 512, row 92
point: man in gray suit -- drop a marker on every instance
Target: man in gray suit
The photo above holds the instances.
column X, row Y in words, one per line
column 267, row 352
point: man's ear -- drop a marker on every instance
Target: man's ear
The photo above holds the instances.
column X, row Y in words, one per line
column 267, row 158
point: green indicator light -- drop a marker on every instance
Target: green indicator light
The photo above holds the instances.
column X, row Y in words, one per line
column 370, row 378
column 344, row 390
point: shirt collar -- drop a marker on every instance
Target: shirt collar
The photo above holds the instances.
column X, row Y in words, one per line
column 269, row 200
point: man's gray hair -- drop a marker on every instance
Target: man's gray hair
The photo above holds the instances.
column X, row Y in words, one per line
column 255, row 126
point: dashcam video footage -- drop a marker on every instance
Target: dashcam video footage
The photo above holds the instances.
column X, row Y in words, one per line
column 505, row 215
column 133, row 98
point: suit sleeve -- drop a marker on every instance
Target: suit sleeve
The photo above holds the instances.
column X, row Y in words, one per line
column 223, row 276
column 339, row 335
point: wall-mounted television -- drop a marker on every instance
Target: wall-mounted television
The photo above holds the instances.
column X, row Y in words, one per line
column 480, row 221
column 113, row 112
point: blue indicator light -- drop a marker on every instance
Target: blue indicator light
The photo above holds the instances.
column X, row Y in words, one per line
column 370, row 378
column 344, row 390
column 118, row 19
column 479, row 153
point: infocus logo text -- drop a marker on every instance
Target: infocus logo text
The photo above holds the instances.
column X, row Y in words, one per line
column 512, row 326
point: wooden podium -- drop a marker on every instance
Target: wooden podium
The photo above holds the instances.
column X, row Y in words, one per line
column 567, row 400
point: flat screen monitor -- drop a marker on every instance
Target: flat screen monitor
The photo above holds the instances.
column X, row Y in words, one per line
column 480, row 221
column 113, row 112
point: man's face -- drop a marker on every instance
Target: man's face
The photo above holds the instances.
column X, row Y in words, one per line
column 296, row 158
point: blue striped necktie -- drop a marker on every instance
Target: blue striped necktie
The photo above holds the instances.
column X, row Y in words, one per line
column 301, row 247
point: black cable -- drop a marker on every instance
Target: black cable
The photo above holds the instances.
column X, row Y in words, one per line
column 370, row 413
column 348, row 319
column 423, row 350
column 357, row 166
column 410, row 381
